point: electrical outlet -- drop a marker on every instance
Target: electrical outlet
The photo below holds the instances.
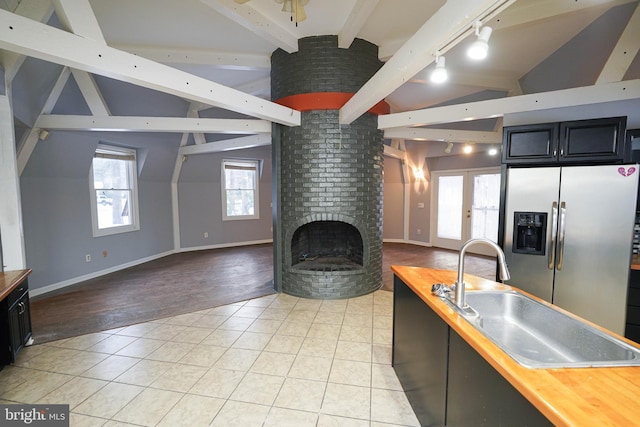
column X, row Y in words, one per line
column 87, row 258
column 206, row 235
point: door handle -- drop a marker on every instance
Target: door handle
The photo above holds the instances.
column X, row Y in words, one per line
column 551, row 258
column 563, row 214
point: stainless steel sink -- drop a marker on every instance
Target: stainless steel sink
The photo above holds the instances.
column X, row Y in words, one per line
column 538, row 336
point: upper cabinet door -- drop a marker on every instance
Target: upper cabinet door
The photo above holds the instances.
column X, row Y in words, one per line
column 530, row 144
column 600, row 140
column 580, row 141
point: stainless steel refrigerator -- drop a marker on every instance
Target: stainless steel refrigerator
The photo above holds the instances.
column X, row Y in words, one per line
column 568, row 237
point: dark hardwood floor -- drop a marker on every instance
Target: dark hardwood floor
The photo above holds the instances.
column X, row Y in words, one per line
column 192, row 281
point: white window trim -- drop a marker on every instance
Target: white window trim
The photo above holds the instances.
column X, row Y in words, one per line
column 135, row 222
column 223, row 190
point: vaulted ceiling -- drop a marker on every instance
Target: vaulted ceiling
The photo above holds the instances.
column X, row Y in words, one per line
column 215, row 53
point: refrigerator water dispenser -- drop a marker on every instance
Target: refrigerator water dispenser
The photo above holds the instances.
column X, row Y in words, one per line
column 529, row 233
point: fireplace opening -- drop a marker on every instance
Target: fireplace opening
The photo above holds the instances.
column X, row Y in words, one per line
column 327, row 246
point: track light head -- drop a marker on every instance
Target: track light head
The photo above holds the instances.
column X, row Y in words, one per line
column 480, row 48
column 448, row 148
column 439, row 74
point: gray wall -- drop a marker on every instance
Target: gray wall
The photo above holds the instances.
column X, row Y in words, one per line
column 393, row 200
column 200, row 209
column 56, row 207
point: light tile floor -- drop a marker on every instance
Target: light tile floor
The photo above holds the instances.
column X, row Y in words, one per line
column 271, row 361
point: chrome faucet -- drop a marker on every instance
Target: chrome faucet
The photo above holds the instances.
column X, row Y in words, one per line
column 459, row 285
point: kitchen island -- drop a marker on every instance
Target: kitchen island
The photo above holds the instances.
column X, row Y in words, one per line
column 452, row 373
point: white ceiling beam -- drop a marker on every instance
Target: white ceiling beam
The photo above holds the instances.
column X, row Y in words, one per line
column 193, row 113
column 609, row 92
column 256, row 22
column 152, row 124
column 624, row 52
column 38, row 10
column 524, row 13
column 394, row 152
column 32, row 38
column 78, row 17
column 256, row 87
column 422, row 134
column 91, row 93
column 359, row 15
column 227, row 145
column 29, row 142
column 222, row 60
column 454, row 19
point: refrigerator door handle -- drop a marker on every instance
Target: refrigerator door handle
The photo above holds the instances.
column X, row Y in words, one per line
column 554, row 232
column 563, row 213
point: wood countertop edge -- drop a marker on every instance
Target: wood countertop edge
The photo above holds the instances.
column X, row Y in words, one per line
column 9, row 280
column 539, row 386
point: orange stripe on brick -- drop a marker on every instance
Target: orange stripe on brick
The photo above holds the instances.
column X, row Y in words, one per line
column 326, row 101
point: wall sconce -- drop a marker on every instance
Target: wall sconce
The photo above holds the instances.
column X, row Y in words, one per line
column 480, row 48
column 448, row 148
column 418, row 173
column 439, row 74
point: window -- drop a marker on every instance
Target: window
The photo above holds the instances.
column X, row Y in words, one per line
column 240, row 189
column 114, row 196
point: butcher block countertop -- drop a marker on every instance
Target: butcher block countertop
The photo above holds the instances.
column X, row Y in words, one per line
column 567, row 397
column 9, row 280
column 635, row 262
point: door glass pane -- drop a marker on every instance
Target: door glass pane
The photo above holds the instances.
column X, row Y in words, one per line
column 485, row 203
column 450, row 207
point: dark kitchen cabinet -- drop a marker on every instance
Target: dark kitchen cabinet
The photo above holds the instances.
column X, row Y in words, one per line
column 575, row 142
column 632, row 330
column 15, row 325
column 446, row 381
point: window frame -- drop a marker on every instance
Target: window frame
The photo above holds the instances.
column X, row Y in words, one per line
column 253, row 163
column 132, row 171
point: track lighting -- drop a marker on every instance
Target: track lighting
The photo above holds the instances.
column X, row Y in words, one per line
column 439, row 74
column 479, row 48
column 448, row 148
column 467, row 149
column 493, row 151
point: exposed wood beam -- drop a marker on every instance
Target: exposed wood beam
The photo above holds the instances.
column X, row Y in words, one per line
column 255, row 22
column 91, row 93
column 152, row 124
column 29, row 142
column 193, row 113
column 78, row 17
column 422, row 134
column 41, row 41
column 360, row 12
column 609, row 92
column 524, row 13
column 448, row 24
column 394, row 152
column 624, row 52
column 226, row 145
column 223, row 60
column 38, row 10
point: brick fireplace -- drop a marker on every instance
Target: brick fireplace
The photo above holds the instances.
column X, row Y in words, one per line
column 327, row 177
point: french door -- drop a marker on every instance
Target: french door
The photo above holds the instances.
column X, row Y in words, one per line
column 465, row 206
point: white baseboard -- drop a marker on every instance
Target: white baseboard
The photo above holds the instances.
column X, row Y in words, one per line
column 55, row 286
column 409, row 242
column 75, row 280
column 225, row 245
